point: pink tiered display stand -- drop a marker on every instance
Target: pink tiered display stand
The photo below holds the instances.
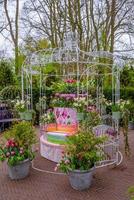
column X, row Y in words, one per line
column 66, row 124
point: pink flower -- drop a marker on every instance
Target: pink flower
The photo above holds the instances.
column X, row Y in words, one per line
column 67, row 162
column 12, row 145
column 21, row 148
column 70, row 81
column 7, row 154
column 7, row 144
column 56, row 168
column 12, row 153
column 21, row 152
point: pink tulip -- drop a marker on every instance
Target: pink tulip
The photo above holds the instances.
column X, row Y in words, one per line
column 7, row 154
column 12, row 153
column 21, row 152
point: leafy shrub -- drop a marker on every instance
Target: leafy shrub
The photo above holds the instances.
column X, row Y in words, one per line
column 125, row 93
column 82, row 152
column 10, row 92
column 6, row 74
column 19, row 141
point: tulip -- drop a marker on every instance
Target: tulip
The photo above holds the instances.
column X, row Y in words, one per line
column 21, row 152
column 12, row 145
column 7, row 154
column 21, row 148
column 12, row 153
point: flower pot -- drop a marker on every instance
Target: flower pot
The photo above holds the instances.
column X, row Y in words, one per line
column 116, row 115
column 103, row 110
column 80, row 180
column 131, row 125
column 80, row 116
column 28, row 115
column 22, row 115
column 20, row 170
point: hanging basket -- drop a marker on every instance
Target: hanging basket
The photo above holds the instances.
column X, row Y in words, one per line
column 116, row 115
column 80, row 116
column 27, row 115
column 22, row 115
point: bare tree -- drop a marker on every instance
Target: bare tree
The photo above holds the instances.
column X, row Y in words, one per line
column 13, row 29
column 99, row 24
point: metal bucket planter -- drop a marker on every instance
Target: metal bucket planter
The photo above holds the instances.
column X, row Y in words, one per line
column 131, row 125
column 116, row 115
column 81, row 180
column 19, row 171
column 80, row 116
column 28, row 115
column 22, row 115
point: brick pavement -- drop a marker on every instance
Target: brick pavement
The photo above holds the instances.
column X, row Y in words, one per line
column 108, row 183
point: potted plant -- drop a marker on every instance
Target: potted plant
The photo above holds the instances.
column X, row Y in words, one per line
column 82, row 151
column 80, row 104
column 20, row 108
column 116, row 111
column 67, row 86
column 47, row 121
column 63, row 100
column 24, row 113
column 17, row 150
column 131, row 192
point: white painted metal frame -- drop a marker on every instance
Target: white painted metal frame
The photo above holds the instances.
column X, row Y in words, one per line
column 70, row 54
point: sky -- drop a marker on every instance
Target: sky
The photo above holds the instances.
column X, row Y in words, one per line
column 5, row 43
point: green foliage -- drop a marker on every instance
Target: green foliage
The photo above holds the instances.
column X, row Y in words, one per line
column 10, row 92
column 24, row 134
column 6, row 74
column 91, row 120
column 127, row 77
column 13, row 153
column 35, row 45
column 65, row 86
column 131, row 192
column 48, row 117
column 115, row 108
column 18, row 146
column 82, row 152
column 62, row 102
column 125, row 93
